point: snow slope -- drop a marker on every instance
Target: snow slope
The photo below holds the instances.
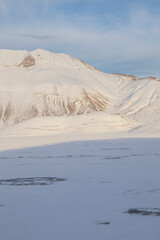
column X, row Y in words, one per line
column 152, row 127
column 42, row 83
column 93, row 123
column 56, row 84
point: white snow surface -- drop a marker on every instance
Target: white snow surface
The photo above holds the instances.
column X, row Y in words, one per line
column 78, row 149
column 103, row 180
column 93, row 123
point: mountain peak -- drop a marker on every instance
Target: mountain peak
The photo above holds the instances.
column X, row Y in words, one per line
column 23, row 58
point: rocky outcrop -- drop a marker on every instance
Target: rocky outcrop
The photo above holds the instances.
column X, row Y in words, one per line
column 28, row 61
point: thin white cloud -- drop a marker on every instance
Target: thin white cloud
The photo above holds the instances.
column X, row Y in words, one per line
column 134, row 44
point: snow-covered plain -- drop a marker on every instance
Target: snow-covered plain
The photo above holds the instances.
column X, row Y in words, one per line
column 78, row 149
column 102, row 180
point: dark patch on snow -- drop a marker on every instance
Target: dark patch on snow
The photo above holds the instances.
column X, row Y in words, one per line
column 115, row 149
column 106, row 182
column 144, row 211
column 154, row 190
column 31, row 181
column 104, row 223
column 115, row 157
column 139, row 154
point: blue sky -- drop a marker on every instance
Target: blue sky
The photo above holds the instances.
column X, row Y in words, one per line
column 120, row 36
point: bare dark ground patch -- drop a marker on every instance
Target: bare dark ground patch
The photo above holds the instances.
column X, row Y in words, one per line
column 144, row 211
column 31, row 181
column 104, row 223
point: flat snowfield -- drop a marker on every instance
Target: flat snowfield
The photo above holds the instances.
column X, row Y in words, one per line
column 86, row 189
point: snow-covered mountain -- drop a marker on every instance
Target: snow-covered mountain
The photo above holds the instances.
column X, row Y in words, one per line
column 42, row 83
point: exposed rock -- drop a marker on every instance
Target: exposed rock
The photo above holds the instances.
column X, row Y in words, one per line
column 28, row 61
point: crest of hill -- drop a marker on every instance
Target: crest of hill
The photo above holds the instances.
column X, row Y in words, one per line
column 23, row 58
column 42, row 83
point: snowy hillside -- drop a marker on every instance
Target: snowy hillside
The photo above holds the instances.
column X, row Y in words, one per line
column 79, row 124
column 41, row 83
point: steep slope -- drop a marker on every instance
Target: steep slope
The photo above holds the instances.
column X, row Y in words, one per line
column 41, row 83
column 140, row 99
column 152, row 127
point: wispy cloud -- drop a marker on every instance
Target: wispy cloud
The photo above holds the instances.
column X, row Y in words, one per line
column 109, row 42
column 38, row 37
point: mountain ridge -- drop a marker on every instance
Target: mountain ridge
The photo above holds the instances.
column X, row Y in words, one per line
column 42, row 83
